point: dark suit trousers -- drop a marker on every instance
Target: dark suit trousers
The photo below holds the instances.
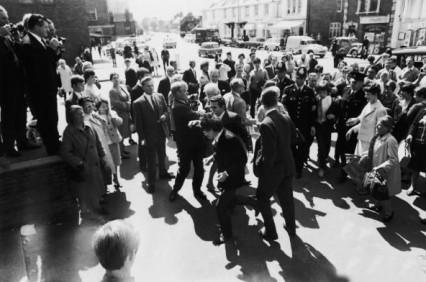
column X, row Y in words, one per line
column 344, row 147
column 269, row 184
column 165, row 63
column 46, row 110
column 156, row 149
column 142, row 155
column 14, row 119
column 323, row 135
column 301, row 149
column 186, row 156
column 223, row 208
column 254, row 94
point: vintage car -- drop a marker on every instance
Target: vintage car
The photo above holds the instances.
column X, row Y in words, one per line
column 304, row 45
column 355, row 49
column 169, row 43
column 272, row 44
column 209, row 49
column 346, row 44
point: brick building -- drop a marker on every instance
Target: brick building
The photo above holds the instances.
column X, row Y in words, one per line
column 359, row 18
column 67, row 15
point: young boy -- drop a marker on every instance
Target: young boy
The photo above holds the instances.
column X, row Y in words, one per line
column 77, row 84
column 115, row 244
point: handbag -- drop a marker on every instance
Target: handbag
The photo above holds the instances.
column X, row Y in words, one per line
column 376, row 185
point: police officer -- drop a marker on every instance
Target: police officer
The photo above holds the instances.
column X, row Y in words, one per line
column 300, row 103
column 281, row 78
column 351, row 104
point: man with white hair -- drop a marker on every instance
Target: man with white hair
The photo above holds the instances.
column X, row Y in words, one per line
column 210, row 90
column 222, row 85
column 233, row 100
column 65, row 74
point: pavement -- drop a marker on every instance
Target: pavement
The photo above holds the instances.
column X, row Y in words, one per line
column 338, row 239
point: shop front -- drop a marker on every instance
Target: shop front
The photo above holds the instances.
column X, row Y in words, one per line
column 376, row 30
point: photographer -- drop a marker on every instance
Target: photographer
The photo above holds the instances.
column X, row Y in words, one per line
column 12, row 92
column 40, row 61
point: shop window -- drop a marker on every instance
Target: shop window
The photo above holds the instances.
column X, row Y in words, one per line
column 335, row 29
column 339, row 6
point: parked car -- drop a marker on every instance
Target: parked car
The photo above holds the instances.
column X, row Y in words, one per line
column 209, row 49
column 254, row 43
column 346, row 43
column 189, row 37
column 416, row 52
column 169, row 43
column 305, row 44
column 226, row 41
column 355, row 49
column 272, row 44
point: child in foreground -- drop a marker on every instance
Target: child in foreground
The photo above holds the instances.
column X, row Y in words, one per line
column 115, row 245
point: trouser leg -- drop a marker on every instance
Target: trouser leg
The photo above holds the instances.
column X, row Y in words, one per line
column 184, row 164
column 142, row 155
column 285, row 196
column 151, row 154
column 224, row 203
column 198, row 176
column 161, row 153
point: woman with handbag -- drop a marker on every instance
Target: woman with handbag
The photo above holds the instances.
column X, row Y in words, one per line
column 82, row 150
column 120, row 103
column 384, row 163
column 112, row 121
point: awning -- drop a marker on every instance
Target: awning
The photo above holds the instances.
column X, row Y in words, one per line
column 286, row 24
column 249, row 26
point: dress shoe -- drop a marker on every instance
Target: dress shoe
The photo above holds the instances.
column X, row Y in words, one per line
column 291, row 231
column 200, row 195
column 13, row 153
column 167, row 176
column 411, row 191
column 268, row 237
column 151, row 188
column 173, row 195
column 26, row 145
column 222, row 240
column 374, row 207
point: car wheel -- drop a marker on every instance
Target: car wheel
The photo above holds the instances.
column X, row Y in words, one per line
column 354, row 53
column 266, row 48
column 277, row 48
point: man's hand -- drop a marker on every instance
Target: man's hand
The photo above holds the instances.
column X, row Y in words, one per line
column 163, row 118
column 352, row 121
column 54, row 44
column 5, row 30
column 408, row 140
column 221, row 177
column 349, row 134
column 208, row 160
column 313, row 131
column 194, row 123
column 331, row 116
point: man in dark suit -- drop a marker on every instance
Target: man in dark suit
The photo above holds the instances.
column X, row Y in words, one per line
column 300, row 103
column 189, row 140
column 12, row 92
column 281, row 78
column 135, row 93
column 77, row 84
column 230, row 63
column 151, row 113
column 164, row 84
column 274, row 165
column 351, row 105
column 130, row 75
column 165, row 56
column 231, row 158
column 271, row 69
column 40, row 60
column 190, row 77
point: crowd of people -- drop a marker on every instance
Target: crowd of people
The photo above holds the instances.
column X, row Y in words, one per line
column 218, row 116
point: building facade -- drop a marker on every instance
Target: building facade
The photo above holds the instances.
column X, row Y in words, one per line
column 68, row 17
column 409, row 25
column 256, row 18
column 355, row 18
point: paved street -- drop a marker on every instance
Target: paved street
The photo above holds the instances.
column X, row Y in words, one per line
column 338, row 238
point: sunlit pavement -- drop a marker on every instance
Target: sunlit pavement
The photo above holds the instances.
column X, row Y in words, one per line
column 338, row 239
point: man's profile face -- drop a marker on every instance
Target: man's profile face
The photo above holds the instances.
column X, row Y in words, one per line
column 192, row 64
column 148, row 87
column 4, row 17
column 216, row 109
column 214, row 77
column 42, row 29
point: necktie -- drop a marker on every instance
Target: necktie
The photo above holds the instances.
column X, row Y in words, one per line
column 195, row 74
column 155, row 106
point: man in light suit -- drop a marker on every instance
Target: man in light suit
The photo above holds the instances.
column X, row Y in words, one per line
column 151, row 114
column 233, row 100
column 275, row 166
column 190, row 77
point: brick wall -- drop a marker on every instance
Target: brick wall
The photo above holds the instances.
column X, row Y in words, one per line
column 36, row 191
column 69, row 17
column 101, row 11
column 321, row 14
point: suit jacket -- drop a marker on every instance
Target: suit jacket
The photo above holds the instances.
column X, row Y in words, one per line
column 333, row 109
column 231, row 64
column 191, row 80
column 277, row 134
column 231, row 157
column 70, row 101
column 146, row 120
column 282, row 84
column 164, row 87
column 131, row 78
column 40, row 66
column 272, row 71
column 187, row 138
column 349, row 107
column 223, row 88
column 233, row 122
column 236, row 104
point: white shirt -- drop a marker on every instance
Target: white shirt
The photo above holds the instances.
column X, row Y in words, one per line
column 92, row 92
column 65, row 74
column 216, row 139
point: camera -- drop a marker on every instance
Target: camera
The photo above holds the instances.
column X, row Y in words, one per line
column 193, row 101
